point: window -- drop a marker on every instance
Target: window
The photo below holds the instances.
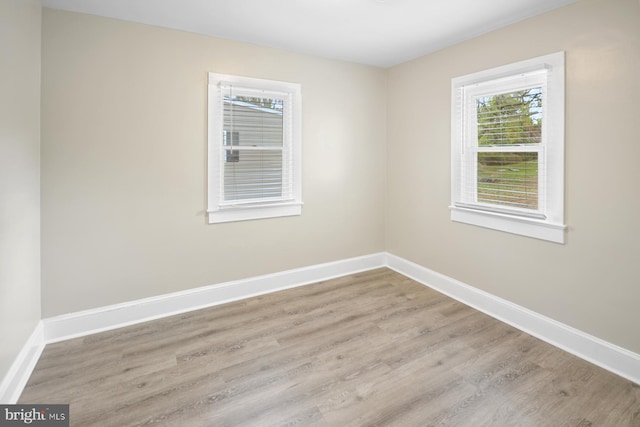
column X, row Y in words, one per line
column 507, row 148
column 254, row 148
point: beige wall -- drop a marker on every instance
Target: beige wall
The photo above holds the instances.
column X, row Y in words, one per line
column 19, row 175
column 593, row 281
column 123, row 163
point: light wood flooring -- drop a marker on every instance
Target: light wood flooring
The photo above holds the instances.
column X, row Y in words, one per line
column 370, row 349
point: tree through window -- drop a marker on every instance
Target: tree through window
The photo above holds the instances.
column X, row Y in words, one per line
column 507, row 120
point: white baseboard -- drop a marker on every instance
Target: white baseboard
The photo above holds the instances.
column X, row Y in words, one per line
column 115, row 316
column 16, row 378
column 606, row 355
column 592, row 349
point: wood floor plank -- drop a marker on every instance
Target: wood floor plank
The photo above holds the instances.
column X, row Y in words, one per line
column 373, row 348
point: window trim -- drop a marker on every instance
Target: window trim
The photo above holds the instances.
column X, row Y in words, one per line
column 548, row 224
column 219, row 211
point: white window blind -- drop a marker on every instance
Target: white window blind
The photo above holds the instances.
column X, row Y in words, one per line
column 503, row 149
column 254, row 147
column 256, row 164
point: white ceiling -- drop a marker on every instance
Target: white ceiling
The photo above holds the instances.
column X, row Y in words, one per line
column 375, row 32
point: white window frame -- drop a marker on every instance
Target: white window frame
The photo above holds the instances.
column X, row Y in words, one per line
column 219, row 210
column 547, row 222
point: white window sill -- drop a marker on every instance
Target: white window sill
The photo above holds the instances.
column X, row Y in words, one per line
column 246, row 213
column 529, row 227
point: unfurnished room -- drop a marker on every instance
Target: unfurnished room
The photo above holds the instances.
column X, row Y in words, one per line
column 319, row 213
